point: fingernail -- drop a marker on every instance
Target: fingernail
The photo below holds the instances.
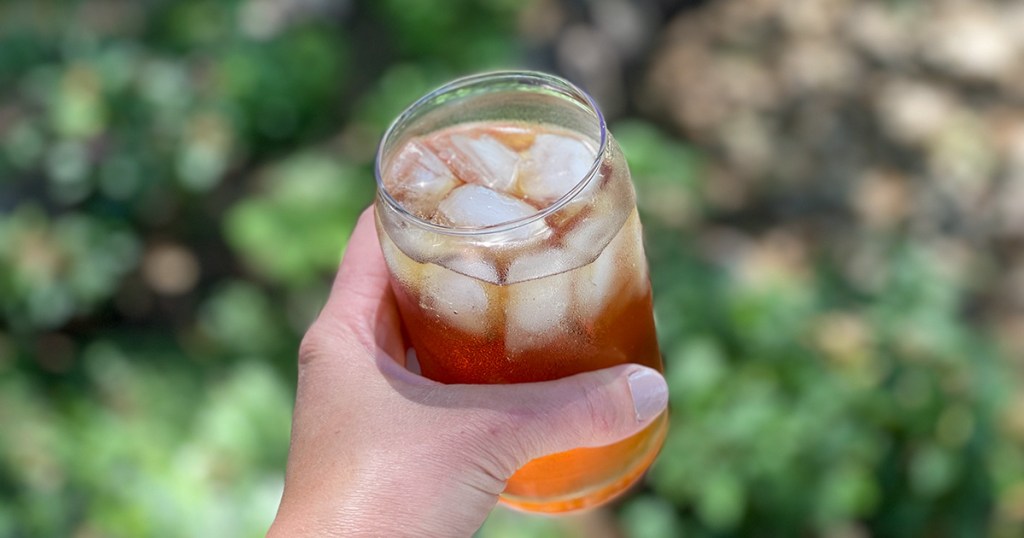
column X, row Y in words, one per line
column 649, row 391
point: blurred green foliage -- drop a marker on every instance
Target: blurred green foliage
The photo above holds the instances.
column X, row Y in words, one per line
column 177, row 181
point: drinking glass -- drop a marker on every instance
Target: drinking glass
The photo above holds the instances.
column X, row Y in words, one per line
column 559, row 291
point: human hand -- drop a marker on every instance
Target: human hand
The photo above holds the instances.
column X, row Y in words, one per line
column 377, row 450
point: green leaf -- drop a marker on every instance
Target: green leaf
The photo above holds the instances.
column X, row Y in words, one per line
column 650, row 517
column 721, row 503
column 296, row 229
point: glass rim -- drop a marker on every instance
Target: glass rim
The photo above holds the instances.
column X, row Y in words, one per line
column 467, row 81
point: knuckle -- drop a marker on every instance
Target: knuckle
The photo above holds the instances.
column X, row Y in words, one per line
column 601, row 420
column 497, row 443
column 313, row 345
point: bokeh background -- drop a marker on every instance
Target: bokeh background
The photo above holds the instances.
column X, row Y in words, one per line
column 833, row 194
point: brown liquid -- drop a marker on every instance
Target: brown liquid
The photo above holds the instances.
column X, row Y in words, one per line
column 616, row 327
column 622, row 332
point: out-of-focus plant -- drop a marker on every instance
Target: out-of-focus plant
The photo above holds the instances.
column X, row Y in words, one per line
column 802, row 401
column 149, row 449
column 57, row 269
column 177, row 180
column 294, row 228
column 837, row 290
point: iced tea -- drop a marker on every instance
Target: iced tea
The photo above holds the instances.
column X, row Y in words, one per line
column 516, row 255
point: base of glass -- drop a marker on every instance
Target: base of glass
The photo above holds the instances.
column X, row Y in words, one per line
column 600, row 493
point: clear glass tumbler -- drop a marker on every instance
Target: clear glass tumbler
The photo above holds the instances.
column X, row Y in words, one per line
column 547, row 285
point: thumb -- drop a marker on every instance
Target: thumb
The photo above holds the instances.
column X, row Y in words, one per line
column 585, row 410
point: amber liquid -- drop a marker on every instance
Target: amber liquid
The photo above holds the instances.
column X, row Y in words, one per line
column 621, row 331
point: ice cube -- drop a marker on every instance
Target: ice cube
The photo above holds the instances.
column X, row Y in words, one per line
column 588, row 236
column 473, row 264
column 516, row 137
column 620, row 272
column 553, row 165
column 419, row 243
column 632, row 253
column 480, row 159
column 459, row 300
column 539, row 264
column 538, row 311
column 595, row 283
column 419, row 179
column 478, row 206
column 405, row 269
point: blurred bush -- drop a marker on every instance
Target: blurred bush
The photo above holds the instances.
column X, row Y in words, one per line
column 177, row 181
column 835, row 248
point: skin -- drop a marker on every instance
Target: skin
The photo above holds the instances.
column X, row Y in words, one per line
column 377, row 450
